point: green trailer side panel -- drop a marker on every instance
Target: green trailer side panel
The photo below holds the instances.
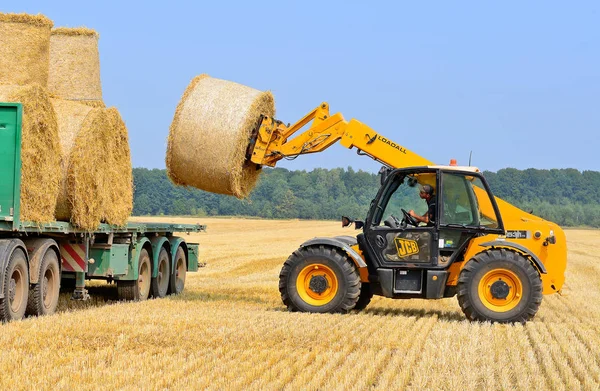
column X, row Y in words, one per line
column 193, row 257
column 111, row 261
column 10, row 162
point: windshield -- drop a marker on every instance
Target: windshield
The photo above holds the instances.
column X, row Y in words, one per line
column 406, row 195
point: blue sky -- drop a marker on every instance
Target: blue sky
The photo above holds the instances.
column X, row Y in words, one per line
column 517, row 83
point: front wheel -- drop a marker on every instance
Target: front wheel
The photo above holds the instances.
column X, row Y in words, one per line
column 499, row 286
column 319, row 279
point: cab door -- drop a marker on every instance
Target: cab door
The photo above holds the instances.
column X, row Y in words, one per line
column 393, row 242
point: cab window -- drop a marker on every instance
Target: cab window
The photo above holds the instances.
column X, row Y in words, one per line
column 466, row 202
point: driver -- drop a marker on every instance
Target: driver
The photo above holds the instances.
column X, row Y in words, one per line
column 426, row 193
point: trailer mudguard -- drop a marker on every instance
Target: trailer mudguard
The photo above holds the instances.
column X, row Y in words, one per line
column 134, row 259
column 175, row 242
column 344, row 243
column 157, row 243
column 7, row 247
column 37, row 249
column 501, row 243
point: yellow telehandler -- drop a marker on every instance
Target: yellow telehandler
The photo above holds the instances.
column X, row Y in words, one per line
column 497, row 259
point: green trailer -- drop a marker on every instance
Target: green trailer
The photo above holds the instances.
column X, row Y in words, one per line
column 144, row 259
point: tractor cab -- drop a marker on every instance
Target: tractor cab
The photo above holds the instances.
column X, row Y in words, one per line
column 405, row 251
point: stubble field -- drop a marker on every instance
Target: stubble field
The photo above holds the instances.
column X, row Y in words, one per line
column 229, row 330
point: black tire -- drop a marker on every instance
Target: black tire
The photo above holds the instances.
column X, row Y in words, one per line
column 338, row 272
column 138, row 289
column 43, row 296
column 16, row 288
column 160, row 283
column 365, row 296
column 481, row 285
column 177, row 280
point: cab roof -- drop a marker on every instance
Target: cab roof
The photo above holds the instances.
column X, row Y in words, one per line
column 456, row 168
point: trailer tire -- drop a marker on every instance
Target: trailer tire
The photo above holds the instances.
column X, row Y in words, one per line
column 177, row 280
column 319, row 279
column 160, row 283
column 43, row 296
column 137, row 289
column 16, row 287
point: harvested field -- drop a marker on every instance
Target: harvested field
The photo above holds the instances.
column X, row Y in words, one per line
column 229, row 330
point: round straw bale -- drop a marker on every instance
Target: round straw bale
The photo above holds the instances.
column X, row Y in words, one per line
column 75, row 65
column 209, row 136
column 24, row 49
column 40, row 160
column 118, row 173
column 84, row 134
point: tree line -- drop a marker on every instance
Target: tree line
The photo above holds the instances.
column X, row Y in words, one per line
column 566, row 196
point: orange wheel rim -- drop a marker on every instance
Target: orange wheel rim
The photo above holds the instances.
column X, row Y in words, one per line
column 500, row 290
column 317, row 284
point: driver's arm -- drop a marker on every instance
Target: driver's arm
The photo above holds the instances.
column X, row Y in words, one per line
column 422, row 219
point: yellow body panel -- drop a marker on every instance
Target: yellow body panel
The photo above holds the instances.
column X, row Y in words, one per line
column 552, row 256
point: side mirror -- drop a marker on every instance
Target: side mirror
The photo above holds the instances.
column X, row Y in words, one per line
column 347, row 221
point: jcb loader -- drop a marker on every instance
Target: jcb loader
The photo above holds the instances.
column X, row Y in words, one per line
column 497, row 259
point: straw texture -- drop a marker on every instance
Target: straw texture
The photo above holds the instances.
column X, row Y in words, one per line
column 84, row 134
column 118, row 172
column 209, row 136
column 75, row 66
column 24, row 49
column 40, row 168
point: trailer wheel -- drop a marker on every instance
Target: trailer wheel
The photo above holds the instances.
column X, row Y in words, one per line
column 43, row 296
column 140, row 288
column 177, row 281
column 499, row 286
column 160, row 284
column 16, row 287
column 366, row 294
column 319, row 279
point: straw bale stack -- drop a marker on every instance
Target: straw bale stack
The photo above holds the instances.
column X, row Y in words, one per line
column 24, row 49
column 84, row 134
column 40, row 167
column 118, row 173
column 75, row 66
column 209, row 136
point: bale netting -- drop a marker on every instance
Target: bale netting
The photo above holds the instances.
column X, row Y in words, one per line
column 75, row 66
column 118, row 173
column 24, row 49
column 84, row 134
column 40, row 161
column 209, row 136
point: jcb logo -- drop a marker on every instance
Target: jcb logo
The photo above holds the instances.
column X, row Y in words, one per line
column 406, row 247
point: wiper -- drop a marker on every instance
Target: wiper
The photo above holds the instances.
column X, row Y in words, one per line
column 456, row 225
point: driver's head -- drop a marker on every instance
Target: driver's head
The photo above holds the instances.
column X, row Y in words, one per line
column 426, row 191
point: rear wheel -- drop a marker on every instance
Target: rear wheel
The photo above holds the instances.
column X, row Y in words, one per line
column 499, row 286
column 319, row 279
column 177, row 281
column 138, row 289
column 16, row 288
column 160, row 284
column 43, row 296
